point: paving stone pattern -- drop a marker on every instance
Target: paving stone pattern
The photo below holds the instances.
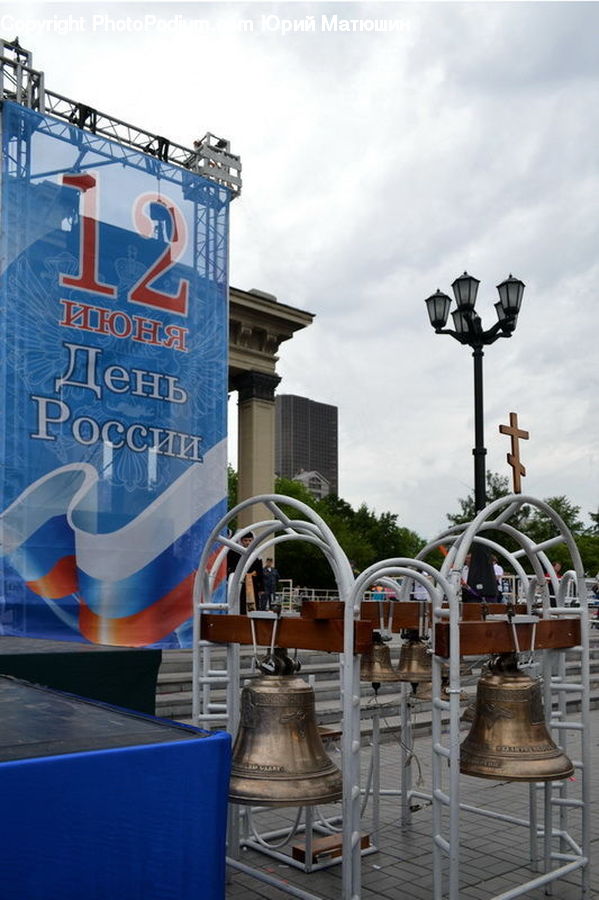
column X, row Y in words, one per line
column 494, row 854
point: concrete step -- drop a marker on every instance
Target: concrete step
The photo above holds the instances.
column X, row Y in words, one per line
column 174, row 688
column 178, row 704
column 170, row 680
column 182, row 660
column 329, row 716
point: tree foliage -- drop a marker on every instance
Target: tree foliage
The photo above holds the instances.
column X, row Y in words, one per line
column 497, row 486
column 541, row 528
column 594, row 517
column 232, row 486
column 364, row 536
column 368, row 537
column 537, row 525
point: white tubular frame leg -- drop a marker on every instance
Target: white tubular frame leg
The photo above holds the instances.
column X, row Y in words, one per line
column 269, row 533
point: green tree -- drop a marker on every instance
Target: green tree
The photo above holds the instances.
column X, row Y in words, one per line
column 594, row 529
column 364, row 536
column 232, row 485
column 299, row 560
column 540, row 527
column 290, row 488
column 497, row 486
column 588, row 547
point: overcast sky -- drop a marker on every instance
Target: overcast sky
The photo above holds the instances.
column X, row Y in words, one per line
column 379, row 163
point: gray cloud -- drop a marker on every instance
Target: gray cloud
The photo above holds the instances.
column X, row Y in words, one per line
column 378, row 166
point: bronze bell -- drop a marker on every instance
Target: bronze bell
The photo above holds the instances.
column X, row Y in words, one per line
column 469, row 712
column 423, row 690
column 278, row 755
column 414, row 661
column 509, row 739
column 376, row 665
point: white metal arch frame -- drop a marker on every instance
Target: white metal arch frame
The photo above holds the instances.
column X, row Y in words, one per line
column 445, row 585
column 572, row 857
column 438, row 588
column 282, row 527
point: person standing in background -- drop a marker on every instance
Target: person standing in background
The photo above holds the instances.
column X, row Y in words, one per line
column 270, row 577
column 557, row 568
column 498, row 575
column 256, row 572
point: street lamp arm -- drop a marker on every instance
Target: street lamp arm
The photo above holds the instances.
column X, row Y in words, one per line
column 461, row 338
column 499, row 330
column 477, row 340
column 471, row 332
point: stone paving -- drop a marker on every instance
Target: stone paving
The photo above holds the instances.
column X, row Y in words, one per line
column 494, row 854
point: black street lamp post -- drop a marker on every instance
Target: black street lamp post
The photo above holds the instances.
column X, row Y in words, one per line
column 468, row 330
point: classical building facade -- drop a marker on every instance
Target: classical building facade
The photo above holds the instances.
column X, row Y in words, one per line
column 258, row 325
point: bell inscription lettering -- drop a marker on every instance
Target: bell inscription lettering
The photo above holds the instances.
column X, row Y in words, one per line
column 509, row 739
column 278, row 755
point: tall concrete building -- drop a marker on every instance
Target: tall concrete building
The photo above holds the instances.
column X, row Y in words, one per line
column 306, row 445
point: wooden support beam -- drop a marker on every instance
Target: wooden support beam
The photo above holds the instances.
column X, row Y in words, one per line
column 322, row 609
column 327, row 847
column 473, row 612
column 405, row 614
column 496, row 637
column 292, row 632
column 408, row 615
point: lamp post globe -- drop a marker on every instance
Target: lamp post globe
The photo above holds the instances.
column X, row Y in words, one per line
column 465, row 290
column 437, row 306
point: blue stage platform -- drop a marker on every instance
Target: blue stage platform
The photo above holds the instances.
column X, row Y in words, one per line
column 100, row 803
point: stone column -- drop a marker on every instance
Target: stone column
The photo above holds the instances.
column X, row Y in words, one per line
column 256, row 439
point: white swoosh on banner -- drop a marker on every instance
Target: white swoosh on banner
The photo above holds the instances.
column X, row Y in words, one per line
column 118, row 554
column 51, row 495
column 121, row 553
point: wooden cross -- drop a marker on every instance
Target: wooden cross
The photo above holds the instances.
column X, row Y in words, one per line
column 513, row 458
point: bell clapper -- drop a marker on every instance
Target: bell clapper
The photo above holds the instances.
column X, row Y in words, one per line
column 276, row 661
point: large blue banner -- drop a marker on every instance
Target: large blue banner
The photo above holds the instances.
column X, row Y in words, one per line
column 113, row 356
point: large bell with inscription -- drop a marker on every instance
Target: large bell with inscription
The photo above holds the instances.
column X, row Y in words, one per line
column 414, row 661
column 278, row 755
column 376, row 665
column 508, row 739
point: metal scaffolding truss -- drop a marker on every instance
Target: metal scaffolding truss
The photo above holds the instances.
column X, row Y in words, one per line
column 210, row 156
column 211, row 244
column 99, row 137
column 554, row 851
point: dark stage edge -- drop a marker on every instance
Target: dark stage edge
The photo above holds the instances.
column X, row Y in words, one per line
column 120, row 676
